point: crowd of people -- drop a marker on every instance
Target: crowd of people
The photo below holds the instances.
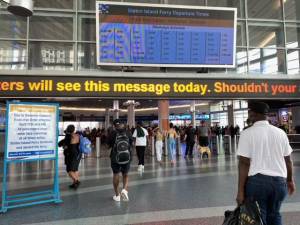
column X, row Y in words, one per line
column 265, row 165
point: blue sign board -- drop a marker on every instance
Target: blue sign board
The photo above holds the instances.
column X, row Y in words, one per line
column 31, row 135
column 189, row 117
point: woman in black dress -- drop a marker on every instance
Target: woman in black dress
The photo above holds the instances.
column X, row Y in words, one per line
column 72, row 154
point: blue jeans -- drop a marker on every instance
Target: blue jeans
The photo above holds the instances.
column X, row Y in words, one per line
column 269, row 192
column 172, row 148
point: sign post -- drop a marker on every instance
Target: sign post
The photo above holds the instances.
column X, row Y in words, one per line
column 31, row 135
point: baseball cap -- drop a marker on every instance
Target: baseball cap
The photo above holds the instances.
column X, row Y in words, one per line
column 117, row 122
column 259, row 107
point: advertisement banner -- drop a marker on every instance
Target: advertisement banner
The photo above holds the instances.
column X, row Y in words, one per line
column 154, row 88
column 32, row 131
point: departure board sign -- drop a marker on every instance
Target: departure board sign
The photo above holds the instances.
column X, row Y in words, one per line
column 136, row 34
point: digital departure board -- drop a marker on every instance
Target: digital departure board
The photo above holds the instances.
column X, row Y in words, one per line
column 135, row 34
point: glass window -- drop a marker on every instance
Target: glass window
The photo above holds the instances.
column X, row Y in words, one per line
column 244, row 104
column 267, row 61
column 240, row 118
column 87, row 5
column 56, row 4
column 145, row 1
column 241, row 61
column 233, row 3
column 292, row 35
column 186, row 2
column 241, row 34
column 51, row 27
column 291, row 9
column 293, row 61
column 87, row 56
column 236, row 104
column 266, row 9
column 266, row 35
column 215, row 108
column 51, row 55
column 13, row 55
column 12, row 26
column 86, row 28
column 223, row 119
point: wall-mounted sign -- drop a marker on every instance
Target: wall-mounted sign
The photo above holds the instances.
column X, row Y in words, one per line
column 32, row 131
column 139, row 34
column 189, row 117
column 159, row 88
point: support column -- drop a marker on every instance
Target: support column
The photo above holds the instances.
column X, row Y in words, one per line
column 131, row 116
column 230, row 115
column 131, row 104
column 116, row 109
column 193, row 112
column 163, row 114
column 107, row 117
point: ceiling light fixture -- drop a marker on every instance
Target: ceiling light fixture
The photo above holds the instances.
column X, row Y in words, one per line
column 125, row 110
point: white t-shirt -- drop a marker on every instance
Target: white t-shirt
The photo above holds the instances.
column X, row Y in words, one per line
column 140, row 141
column 266, row 146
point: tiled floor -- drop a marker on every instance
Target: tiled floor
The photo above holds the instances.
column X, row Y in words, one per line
column 192, row 192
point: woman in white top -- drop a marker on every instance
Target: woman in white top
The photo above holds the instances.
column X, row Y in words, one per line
column 158, row 143
column 140, row 134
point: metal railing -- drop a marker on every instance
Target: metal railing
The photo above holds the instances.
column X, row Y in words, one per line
column 294, row 140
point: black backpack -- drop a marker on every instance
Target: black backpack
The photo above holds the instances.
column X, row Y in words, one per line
column 122, row 149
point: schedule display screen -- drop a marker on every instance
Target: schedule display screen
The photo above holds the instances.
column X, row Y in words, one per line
column 135, row 34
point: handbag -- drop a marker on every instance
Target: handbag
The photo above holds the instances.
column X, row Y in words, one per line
column 250, row 213
column 246, row 214
column 232, row 217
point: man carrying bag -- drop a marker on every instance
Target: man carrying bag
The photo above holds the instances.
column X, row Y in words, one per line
column 265, row 165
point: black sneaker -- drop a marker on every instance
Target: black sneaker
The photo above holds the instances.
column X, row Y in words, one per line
column 76, row 184
column 72, row 185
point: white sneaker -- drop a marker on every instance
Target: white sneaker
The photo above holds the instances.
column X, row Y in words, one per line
column 124, row 195
column 117, row 198
column 140, row 168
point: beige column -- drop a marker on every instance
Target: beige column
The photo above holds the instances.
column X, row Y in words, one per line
column 107, row 117
column 116, row 109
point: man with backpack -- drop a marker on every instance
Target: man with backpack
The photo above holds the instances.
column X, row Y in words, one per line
column 120, row 142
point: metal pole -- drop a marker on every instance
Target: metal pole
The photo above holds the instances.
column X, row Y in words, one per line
column 230, row 146
column 98, row 146
column 178, row 146
column 218, row 145
column 235, row 142
column 152, row 147
column 166, row 147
